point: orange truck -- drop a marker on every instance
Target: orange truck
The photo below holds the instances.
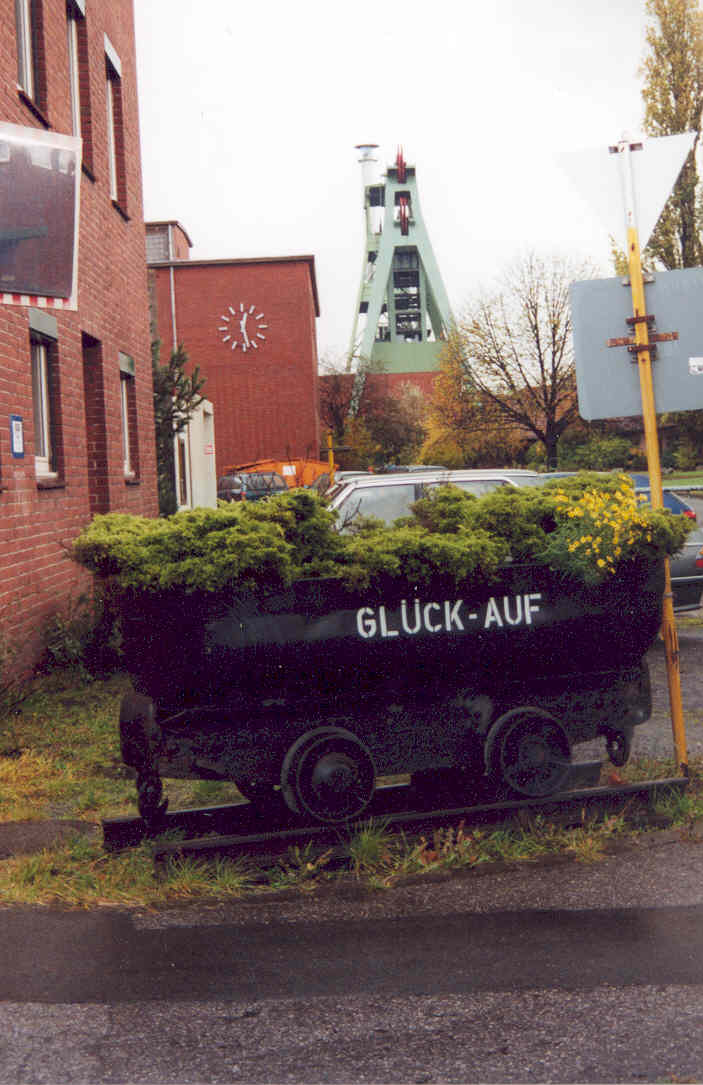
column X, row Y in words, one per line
column 296, row 471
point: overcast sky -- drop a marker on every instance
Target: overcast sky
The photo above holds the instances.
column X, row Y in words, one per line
column 250, row 113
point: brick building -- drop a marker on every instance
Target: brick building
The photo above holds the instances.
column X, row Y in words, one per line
column 76, row 385
column 250, row 327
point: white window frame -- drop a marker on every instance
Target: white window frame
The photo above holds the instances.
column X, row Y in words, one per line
column 113, row 72
column 111, row 140
column 183, row 472
column 126, row 432
column 25, row 53
column 74, row 68
column 42, row 408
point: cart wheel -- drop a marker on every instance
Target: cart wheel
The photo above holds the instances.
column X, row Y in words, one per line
column 618, row 745
column 149, row 792
column 528, row 751
column 329, row 774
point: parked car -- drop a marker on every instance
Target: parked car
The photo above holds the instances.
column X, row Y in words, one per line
column 250, row 486
column 687, row 573
column 686, row 567
column 389, row 497
column 672, row 501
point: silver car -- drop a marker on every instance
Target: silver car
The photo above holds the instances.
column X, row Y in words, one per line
column 389, row 497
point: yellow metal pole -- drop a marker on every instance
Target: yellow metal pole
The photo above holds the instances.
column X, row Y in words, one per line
column 669, row 633
column 330, row 456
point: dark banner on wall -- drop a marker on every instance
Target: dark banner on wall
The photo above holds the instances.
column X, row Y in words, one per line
column 39, row 207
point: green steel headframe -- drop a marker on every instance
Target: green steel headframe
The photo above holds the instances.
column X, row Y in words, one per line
column 402, row 313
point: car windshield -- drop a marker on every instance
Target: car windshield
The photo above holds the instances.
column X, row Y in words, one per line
column 386, row 502
column 476, row 486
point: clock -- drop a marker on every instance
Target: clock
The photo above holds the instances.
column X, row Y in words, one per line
column 243, row 328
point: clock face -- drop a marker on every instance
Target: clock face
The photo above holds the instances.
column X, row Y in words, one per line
column 243, row 327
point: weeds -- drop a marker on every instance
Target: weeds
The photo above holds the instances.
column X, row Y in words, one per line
column 370, row 848
column 302, row 868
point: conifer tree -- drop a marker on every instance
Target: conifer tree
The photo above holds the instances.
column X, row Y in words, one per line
column 176, row 397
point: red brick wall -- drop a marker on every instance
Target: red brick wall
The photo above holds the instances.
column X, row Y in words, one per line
column 37, row 576
column 265, row 401
column 390, row 384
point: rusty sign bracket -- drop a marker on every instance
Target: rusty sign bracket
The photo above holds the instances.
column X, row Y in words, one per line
column 634, row 348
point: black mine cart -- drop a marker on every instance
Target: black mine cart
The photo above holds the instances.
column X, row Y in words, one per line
column 316, row 690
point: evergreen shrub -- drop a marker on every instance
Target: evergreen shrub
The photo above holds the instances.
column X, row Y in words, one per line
column 585, row 526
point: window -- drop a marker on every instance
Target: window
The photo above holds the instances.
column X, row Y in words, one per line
column 182, row 471
column 385, row 502
column 477, row 487
column 73, row 70
column 124, row 403
column 31, row 72
column 25, row 52
column 41, row 396
column 78, row 77
column 128, row 414
column 46, row 396
column 95, row 425
column 115, row 130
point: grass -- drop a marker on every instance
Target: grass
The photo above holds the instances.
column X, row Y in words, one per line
column 680, row 479
column 60, row 758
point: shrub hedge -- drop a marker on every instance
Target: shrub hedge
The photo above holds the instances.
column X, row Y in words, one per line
column 585, row 526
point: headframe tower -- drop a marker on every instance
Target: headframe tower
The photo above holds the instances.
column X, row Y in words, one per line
column 402, row 314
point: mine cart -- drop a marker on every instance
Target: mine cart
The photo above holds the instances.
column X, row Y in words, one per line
column 315, row 691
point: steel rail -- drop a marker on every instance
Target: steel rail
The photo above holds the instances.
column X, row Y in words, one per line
column 242, row 829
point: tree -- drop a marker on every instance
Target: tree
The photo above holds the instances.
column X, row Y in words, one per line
column 673, row 100
column 515, row 353
column 334, row 395
column 384, row 428
column 464, row 429
column 176, row 398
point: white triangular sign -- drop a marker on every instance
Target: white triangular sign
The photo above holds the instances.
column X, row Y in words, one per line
column 597, row 175
column 655, row 171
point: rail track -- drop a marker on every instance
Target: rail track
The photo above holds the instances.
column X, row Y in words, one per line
column 268, row 833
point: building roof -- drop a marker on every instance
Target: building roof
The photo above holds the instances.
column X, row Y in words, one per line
column 170, row 222
column 307, row 259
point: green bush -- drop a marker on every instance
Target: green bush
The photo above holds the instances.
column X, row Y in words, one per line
column 685, row 456
column 595, row 454
column 584, row 526
column 243, row 545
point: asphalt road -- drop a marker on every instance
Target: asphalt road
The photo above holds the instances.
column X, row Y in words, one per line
column 564, row 973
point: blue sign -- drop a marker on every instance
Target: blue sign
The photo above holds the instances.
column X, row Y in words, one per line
column 607, row 374
column 17, row 436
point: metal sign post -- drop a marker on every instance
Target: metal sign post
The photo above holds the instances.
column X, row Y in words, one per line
column 644, row 363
